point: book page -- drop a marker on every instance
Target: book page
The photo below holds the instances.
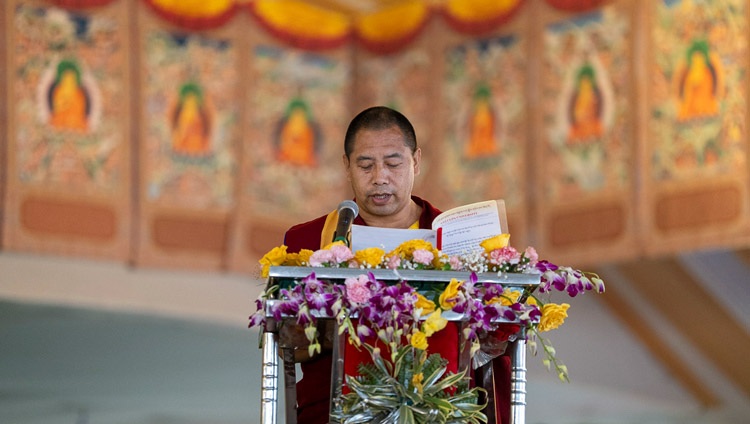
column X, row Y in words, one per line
column 461, row 229
column 386, row 238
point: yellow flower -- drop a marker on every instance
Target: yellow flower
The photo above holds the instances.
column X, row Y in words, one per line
column 425, row 304
column 450, row 292
column 335, row 243
column 406, row 249
column 298, row 259
column 419, row 340
column 508, row 298
column 276, row 257
column 494, row 243
column 372, row 256
column 304, row 256
column 553, row 316
column 416, row 381
column 434, row 323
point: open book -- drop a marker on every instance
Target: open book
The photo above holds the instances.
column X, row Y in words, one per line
column 456, row 231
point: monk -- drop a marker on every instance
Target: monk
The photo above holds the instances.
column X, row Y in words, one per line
column 381, row 159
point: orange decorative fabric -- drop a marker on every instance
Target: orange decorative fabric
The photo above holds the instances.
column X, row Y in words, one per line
column 301, row 24
column 479, row 16
column 311, row 27
column 195, row 14
column 390, row 29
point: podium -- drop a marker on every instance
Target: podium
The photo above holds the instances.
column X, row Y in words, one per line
column 278, row 347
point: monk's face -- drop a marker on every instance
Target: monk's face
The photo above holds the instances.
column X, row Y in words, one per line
column 381, row 169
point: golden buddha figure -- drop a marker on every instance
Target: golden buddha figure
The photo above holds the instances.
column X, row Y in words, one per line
column 296, row 137
column 68, row 100
column 482, row 126
column 585, row 108
column 190, row 123
column 698, row 85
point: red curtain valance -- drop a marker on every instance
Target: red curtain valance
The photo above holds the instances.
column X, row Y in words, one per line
column 80, row 4
column 382, row 32
column 309, row 27
column 575, row 5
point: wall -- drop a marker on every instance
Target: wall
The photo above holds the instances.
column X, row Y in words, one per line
column 196, row 149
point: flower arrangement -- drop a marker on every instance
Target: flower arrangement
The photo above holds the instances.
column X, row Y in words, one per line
column 404, row 381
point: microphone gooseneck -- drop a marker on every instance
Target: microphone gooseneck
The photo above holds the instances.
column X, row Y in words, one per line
column 348, row 210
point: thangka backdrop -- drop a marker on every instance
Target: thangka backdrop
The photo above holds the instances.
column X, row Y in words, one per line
column 587, row 148
column 298, row 106
column 176, row 134
column 696, row 169
column 484, row 126
column 68, row 169
column 404, row 82
column 188, row 144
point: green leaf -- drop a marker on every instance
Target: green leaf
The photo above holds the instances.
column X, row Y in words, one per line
column 443, row 404
column 435, row 376
column 405, row 415
column 445, row 383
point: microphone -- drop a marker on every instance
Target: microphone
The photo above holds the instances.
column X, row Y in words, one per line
column 348, row 210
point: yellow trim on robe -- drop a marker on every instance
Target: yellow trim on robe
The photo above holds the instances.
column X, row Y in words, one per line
column 329, row 228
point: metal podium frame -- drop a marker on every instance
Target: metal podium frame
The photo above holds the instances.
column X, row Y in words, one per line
column 272, row 344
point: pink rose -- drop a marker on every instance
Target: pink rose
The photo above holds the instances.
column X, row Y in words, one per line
column 356, row 289
column 341, row 253
column 506, row 254
column 530, row 253
column 393, row 262
column 455, row 263
column 423, row 257
column 321, row 257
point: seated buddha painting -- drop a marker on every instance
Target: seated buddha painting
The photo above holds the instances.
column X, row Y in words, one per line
column 698, row 83
column 191, row 122
column 483, row 126
column 69, row 102
column 297, row 136
column 585, row 110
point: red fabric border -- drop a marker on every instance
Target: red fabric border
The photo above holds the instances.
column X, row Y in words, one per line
column 190, row 22
column 300, row 41
column 480, row 27
column 80, row 4
column 575, row 5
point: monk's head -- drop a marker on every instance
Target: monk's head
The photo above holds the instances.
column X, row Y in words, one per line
column 381, row 158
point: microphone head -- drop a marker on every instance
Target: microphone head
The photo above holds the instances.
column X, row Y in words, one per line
column 349, row 204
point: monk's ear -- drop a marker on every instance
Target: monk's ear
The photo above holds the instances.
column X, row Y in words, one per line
column 345, row 159
column 417, row 160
